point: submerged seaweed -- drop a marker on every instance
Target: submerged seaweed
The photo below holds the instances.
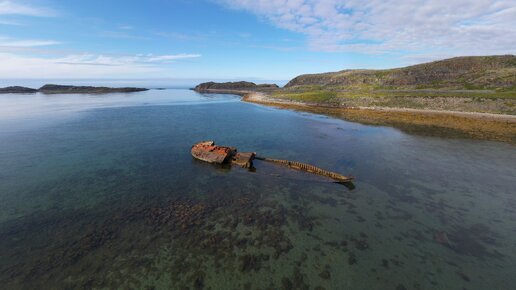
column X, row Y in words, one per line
column 114, row 201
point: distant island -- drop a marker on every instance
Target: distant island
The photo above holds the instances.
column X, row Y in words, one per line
column 17, row 90
column 473, row 96
column 214, row 87
column 61, row 89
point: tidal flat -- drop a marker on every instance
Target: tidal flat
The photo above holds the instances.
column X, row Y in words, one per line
column 101, row 192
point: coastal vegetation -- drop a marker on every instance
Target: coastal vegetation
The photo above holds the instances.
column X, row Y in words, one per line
column 472, row 84
column 486, row 101
column 460, row 73
column 455, row 96
column 420, row 122
column 485, row 84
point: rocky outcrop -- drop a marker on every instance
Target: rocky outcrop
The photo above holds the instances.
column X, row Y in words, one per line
column 17, row 90
column 60, row 89
column 474, row 72
column 233, row 86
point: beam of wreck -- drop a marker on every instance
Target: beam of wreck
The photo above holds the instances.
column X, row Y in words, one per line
column 308, row 168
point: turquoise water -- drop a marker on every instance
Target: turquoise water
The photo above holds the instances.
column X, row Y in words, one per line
column 101, row 192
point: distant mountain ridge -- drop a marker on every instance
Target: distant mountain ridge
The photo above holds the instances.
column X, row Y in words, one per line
column 470, row 72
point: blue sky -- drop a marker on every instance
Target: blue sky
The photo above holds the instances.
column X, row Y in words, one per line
column 241, row 39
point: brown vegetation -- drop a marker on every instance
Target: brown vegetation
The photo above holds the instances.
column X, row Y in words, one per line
column 446, row 124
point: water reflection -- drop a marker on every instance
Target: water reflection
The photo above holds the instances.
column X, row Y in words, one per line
column 111, row 198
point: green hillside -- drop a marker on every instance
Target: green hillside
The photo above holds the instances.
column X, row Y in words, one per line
column 460, row 73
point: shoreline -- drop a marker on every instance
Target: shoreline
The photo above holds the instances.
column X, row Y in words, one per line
column 458, row 124
column 259, row 97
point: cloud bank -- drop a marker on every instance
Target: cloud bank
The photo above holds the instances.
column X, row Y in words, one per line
column 85, row 65
column 456, row 27
column 106, row 60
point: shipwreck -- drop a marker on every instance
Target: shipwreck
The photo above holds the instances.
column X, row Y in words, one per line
column 207, row 151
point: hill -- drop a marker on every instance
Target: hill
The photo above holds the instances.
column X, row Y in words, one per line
column 213, row 86
column 459, row 73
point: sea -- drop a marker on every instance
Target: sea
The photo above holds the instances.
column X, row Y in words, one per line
column 101, row 192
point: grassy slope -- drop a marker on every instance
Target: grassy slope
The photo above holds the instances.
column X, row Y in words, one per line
column 469, row 73
column 321, row 94
column 482, row 84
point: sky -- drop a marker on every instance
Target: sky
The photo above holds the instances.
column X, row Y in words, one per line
column 242, row 39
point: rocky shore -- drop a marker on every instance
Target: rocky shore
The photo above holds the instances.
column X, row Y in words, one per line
column 472, row 97
column 441, row 123
column 61, row 89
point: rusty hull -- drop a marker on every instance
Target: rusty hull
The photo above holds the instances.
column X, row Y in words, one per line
column 209, row 152
column 244, row 159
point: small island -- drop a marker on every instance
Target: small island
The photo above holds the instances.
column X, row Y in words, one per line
column 17, row 90
column 62, row 89
column 233, row 86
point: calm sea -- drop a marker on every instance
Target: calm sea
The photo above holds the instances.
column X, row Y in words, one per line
column 100, row 191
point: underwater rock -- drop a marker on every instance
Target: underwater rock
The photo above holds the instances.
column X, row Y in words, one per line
column 361, row 244
column 442, row 238
column 249, row 263
column 286, row 284
column 463, row 276
column 325, row 275
column 385, row 263
column 298, row 280
column 181, row 214
column 352, row 259
column 473, row 241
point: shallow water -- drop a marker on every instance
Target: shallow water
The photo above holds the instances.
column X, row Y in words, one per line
column 101, row 192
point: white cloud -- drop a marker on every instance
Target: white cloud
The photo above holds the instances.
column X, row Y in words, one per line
column 18, row 8
column 85, row 65
column 161, row 58
column 15, row 43
column 108, row 60
column 390, row 26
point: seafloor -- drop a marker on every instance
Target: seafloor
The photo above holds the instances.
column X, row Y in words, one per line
column 111, row 199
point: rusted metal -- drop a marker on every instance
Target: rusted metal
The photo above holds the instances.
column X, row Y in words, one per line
column 209, row 152
column 244, row 159
column 309, row 168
